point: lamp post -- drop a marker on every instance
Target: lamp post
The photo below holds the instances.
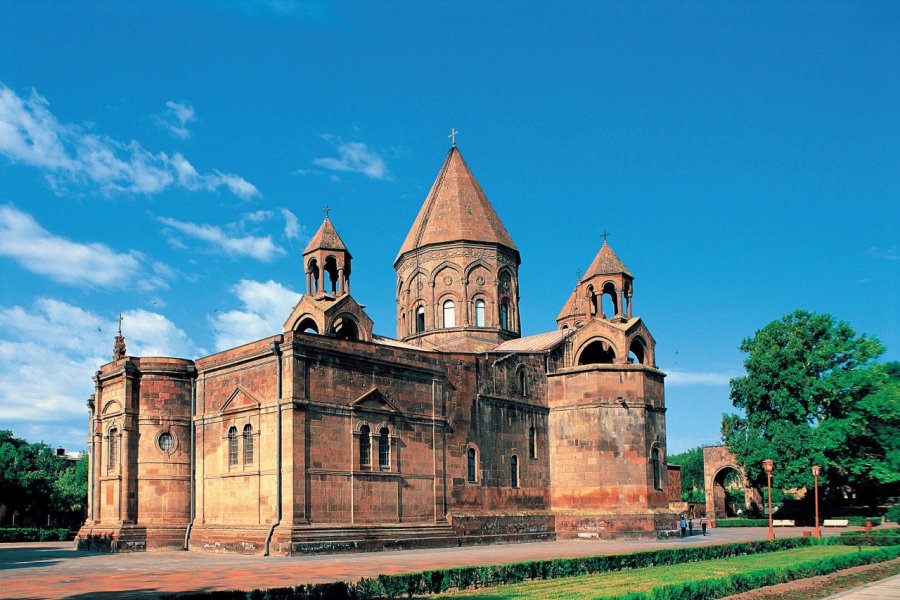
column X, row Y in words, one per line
column 769, row 466
column 816, row 471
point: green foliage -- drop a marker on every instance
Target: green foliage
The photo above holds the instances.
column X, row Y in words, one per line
column 34, row 481
column 698, row 496
column 814, row 395
column 860, row 521
column 691, row 463
column 32, row 534
column 893, row 513
column 742, row 522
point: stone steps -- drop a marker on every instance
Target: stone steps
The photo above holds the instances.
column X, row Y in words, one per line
column 366, row 538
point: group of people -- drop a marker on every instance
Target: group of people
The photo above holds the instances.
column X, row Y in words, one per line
column 687, row 525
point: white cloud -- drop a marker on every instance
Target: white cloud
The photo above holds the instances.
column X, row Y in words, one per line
column 49, row 352
column 354, row 157
column 291, row 225
column 31, row 134
column 264, row 309
column 229, row 240
column 888, row 254
column 176, row 118
column 675, row 377
column 89, row 265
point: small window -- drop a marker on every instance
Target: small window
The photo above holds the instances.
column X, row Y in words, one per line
column 532, row 443
column 248, row 444
column 166, row 441
column 472, row 466
column 384, row 449
column 504, row 315
column 232, row 446
column 654, row 461
column 479, row 313
column 365, row 447
column 449, row 314
column 113, row 448
column 420, row 319
column 523, row 389
column 514, row 468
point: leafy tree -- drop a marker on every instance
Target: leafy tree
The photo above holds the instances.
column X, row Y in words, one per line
column 691, row 463
column 813, row 394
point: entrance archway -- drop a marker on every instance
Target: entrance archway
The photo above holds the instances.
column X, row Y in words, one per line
column 721, row 473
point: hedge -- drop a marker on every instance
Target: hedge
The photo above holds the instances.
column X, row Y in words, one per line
column 708, row 589
column 743, row 523
column 33, row 534
column 441, row 580
column 884, row 537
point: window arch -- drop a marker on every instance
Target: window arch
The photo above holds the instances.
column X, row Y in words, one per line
column 479, row 313
column 365, row 447
column 449, row 313
column 113, row 456
column 248, row 444
column 523, row 386
column 504, row 314
column 656, row 467
column 232, row 446
column 637, row 351
column 472, row 466
column 514, row 470
column 597, row 352
column 384, row 448
column 420, row 319
column 532, row 442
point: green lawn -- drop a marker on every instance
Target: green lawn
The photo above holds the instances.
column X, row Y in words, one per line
column 641, row 580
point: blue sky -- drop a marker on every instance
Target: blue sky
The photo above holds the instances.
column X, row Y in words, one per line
column 170, row 161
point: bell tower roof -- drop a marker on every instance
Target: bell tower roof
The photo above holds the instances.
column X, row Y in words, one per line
column 606, row 263
column 456, row 209
column 326, row 238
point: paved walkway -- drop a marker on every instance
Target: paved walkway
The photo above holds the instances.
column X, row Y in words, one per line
column 886, row 588
column 55, row 570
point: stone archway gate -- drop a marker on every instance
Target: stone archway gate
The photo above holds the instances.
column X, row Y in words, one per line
column 715, row 460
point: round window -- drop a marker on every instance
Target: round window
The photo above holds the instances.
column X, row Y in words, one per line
column 166, row 441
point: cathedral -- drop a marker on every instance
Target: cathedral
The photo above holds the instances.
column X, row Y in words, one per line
column 326, row 437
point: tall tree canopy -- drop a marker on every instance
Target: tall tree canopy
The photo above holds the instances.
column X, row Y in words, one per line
column 813, row 394
column 691, row 463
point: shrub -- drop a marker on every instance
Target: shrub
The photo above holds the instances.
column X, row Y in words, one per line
column 893, row 513
column 742, row 523
column 33, row 534
column 858, row 521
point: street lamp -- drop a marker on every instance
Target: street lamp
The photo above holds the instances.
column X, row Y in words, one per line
column 769, row 466
column 816, row 471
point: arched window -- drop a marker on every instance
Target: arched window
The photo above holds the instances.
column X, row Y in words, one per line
column 449, row 314
column 597, row 352
column 384, row 448
column 514, row 468
column 248, row 444
column 113, row 457
column 420, row 319
column 636, row 351
column 532, row 443
column 523, row 389
column 504, row 314
column 365, row 447
column 479, row 313
column 166, row 441
column 232, row 446
column 654, row 463
column 472, row 471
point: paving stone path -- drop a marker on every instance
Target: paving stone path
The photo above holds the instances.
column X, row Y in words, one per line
column 886, row 588
column 55, row 570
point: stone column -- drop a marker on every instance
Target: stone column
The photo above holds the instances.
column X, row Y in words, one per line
column 465, row 316
column 340, row 281
column 629, row 302
column 622, row 302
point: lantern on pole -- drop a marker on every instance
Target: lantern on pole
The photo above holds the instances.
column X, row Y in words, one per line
column 769, row 466
column 816, row 471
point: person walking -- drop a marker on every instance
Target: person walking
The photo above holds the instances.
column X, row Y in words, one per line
column 683, row 526
column 703, row 523
column 691, row 525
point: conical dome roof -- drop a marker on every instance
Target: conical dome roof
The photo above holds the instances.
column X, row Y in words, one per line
column 456, row 209
column 606, row 263
column 326, row 238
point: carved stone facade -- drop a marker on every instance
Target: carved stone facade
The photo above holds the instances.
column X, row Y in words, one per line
column 328, row 437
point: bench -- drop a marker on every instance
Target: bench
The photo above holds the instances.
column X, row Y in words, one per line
column 782, row 522
column 835, row 522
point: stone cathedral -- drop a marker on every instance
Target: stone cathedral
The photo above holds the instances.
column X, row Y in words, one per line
column 326, row 437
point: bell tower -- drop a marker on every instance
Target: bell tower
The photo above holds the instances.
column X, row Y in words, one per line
column 327, row 262
column 458, row 269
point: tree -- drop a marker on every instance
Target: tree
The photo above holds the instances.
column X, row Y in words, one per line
column 813, row 394
column 692, row 482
